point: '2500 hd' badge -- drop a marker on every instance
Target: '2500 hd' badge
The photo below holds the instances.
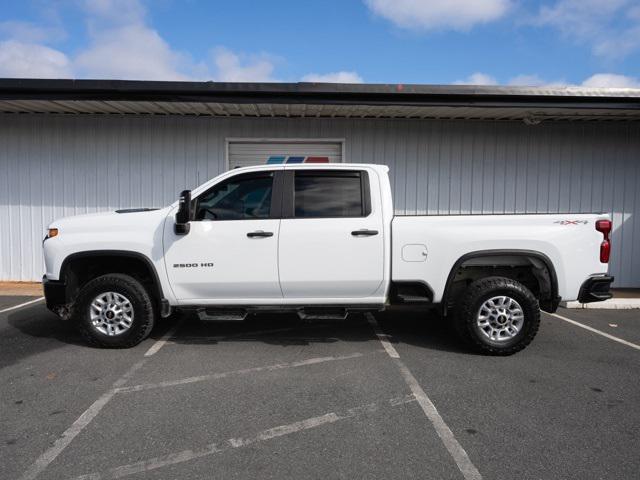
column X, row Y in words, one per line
column 192, row 265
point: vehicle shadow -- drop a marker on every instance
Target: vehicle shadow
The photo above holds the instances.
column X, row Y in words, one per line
column 418, row 328
column 33, row 330
column 36, row 330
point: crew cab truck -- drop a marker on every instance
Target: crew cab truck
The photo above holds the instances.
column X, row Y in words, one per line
column 321, row 240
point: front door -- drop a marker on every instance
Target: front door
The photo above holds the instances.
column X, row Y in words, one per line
column 231, row 250
column 332, row 245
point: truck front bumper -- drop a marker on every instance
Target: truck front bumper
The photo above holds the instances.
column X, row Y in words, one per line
column 55, row 294
column 596, row 289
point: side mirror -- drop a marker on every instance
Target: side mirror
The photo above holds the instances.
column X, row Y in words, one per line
column 184, row 213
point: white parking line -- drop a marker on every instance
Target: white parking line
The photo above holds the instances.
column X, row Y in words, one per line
column 244, row 371
column 466, row 467
column 163, row 340
column 118, row 387
column 383, row 337
column 233, row 443
column 15, row 307
column 594, row 330
column 80, row 424
column 90, row 413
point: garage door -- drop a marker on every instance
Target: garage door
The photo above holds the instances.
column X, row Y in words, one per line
column 245, row 153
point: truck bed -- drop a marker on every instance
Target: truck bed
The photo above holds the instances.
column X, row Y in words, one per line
column 424, row 247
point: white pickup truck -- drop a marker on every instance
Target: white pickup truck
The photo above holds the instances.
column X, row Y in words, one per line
column 321, row 240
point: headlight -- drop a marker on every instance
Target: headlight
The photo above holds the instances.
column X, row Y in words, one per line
column 53, row 232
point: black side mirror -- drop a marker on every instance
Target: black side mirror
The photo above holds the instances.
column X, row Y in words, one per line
column 184, row 213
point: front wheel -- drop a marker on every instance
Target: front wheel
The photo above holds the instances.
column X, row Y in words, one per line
column 114, row 311
column 497, row 316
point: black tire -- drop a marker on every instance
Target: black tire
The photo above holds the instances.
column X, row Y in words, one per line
column 480, row 291
column 143, row 311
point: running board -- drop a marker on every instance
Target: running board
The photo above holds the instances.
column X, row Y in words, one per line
column 412, row 299
column 319, row 313
column 322, row 314
column 223, row 315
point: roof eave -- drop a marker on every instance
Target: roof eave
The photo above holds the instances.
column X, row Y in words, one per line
column 320, row 93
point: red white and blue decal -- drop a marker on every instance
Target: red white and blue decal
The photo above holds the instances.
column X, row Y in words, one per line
column 283, row 159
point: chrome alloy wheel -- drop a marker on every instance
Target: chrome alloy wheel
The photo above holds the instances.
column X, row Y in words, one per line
column 500, row 318
column 111, row 313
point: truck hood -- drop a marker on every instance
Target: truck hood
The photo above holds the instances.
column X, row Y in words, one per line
column 123, row 220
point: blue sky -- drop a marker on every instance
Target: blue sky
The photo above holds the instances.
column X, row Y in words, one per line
column 524, row 42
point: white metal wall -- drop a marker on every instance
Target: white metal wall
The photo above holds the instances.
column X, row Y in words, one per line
column 243, row 153
column 58, row 165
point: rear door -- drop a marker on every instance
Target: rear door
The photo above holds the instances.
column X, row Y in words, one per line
column 331, row 238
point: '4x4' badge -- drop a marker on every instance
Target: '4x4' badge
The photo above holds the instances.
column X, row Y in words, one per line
column 571, row 222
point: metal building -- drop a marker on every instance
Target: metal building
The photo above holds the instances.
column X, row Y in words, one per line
column 71, row 147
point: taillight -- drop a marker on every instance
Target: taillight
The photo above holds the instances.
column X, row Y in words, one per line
column 604, row 227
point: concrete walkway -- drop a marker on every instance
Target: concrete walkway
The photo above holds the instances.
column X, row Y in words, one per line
column 21, row 289
column 623, row 299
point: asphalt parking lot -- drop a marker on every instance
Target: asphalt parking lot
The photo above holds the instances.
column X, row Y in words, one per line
column 398, row 397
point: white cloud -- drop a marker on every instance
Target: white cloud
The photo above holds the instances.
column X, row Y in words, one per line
column 121, row 45
column 115, row 11
column 133, row 52
column 18, row 59
column 124, row 46
column 604, row 80
column 611, row 80
column 579, row 17
column 438, row 14
column 230, row 67
column 28, row 32
column 477, row 78
column 333, row 77
column 620, row 45
column 611, row 27
column 528, row 80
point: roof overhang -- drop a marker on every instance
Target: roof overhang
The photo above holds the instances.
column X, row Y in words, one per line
column 318, row 100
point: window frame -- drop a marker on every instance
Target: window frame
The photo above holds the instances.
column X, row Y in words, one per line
column 275, row 209
column 288, row 191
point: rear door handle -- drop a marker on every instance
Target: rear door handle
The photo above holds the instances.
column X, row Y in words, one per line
column 259, row 233
column 364, row 233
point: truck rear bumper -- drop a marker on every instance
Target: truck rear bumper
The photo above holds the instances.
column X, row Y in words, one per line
column 596, row 289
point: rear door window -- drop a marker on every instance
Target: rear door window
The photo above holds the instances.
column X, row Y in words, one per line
column 329, row 194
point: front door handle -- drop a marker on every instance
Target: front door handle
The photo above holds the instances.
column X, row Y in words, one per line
column 259, row 233
column 364, row 233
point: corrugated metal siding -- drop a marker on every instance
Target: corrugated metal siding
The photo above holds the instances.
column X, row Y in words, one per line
column 55, row 165
column 245, row 153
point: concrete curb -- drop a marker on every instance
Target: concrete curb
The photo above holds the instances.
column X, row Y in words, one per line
column 611, row 304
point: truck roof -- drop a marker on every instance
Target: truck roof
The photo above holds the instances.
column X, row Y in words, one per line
column 312, row 166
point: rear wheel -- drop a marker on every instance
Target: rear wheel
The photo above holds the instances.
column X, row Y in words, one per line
column 497, row 316
column 114, row 311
